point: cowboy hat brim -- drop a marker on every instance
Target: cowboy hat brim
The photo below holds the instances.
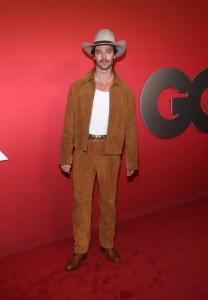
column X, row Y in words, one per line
column 120, row 46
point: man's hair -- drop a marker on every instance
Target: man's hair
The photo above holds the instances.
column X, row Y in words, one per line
column 114, row 50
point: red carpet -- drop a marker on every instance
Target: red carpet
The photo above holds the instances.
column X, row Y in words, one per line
column 164, row 257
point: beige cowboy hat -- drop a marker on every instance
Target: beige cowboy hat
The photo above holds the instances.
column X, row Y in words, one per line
column 105, row 37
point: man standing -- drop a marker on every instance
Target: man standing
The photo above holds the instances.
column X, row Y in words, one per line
column 100, row 118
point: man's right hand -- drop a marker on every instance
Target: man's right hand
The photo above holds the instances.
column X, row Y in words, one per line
column 66, row 168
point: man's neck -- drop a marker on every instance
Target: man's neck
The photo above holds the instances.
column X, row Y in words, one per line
column 104, row 75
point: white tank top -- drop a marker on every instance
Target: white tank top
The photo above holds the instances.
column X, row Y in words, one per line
column 100, row 113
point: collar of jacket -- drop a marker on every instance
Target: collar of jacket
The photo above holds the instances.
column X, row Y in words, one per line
column 90, row 76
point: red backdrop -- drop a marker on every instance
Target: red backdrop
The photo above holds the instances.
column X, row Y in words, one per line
column 41, row 56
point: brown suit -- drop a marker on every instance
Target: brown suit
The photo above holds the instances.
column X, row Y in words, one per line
column 97, row 158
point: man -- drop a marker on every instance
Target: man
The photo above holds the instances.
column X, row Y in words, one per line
column 99, row 119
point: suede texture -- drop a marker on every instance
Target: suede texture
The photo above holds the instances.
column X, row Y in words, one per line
column 87, row 166
column 122, row 127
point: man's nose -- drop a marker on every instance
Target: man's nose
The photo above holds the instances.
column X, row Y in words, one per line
column 103, row 55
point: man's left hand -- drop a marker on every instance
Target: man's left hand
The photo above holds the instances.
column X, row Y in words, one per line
column 129, row 172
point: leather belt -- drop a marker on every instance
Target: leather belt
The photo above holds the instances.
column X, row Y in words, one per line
column 96, row 137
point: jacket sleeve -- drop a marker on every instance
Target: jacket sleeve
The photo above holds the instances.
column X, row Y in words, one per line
column 131, row 135
column 67, row 142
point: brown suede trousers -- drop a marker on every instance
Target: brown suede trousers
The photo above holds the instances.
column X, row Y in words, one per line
column 86, row 167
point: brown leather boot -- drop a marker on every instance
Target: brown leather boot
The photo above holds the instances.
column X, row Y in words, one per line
column 75, row 261
column 112, row 254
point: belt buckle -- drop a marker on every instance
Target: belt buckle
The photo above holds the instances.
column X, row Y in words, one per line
column 96, row 136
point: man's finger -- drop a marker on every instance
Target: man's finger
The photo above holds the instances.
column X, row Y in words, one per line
column 66, row 168
column 129, row 172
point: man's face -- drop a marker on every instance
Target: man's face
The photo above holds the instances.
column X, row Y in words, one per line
column 104, row 56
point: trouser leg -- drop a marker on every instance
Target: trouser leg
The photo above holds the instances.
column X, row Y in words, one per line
column 83, row 184
column 107, row 174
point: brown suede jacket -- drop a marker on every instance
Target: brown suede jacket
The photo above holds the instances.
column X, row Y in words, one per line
column 122, row 126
